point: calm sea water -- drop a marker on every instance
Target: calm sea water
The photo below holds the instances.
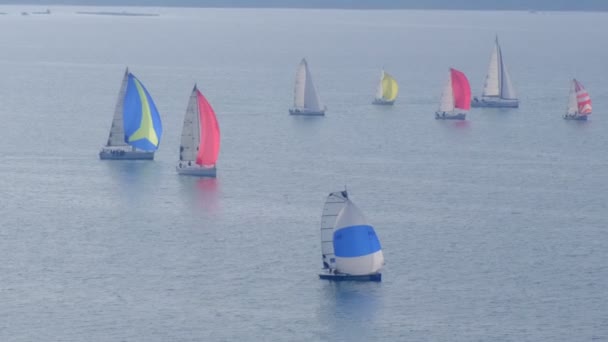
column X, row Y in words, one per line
column 494, row 229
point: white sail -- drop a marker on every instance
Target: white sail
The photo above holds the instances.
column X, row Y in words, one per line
column 572, row 101
column 117, row 130
column 191, row 130
column 334, row 203
column 355, row 236
column 506, row 88
column 498, row 81
column 305, row 94
column 492, row 84
column 379, row 90
column 446, row 104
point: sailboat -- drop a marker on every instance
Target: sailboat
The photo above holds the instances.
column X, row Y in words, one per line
column 455, row 98
column 200, row 145
column 349, row 245
column 387, row 90
column 498, row 91
column 136, row 127
column 306, row 99
column 579, row 103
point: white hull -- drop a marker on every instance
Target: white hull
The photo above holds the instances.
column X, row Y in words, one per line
column 108, row 153
column 494, row 102
column 195, row 170
column 298, row 111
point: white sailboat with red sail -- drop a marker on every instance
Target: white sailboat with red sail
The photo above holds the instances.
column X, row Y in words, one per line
column 579, row 102
column 455, row 98
column 200, row 144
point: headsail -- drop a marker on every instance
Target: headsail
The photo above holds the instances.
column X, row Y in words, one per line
column 305, row 93
column 583, row 100
column 334, row 204
column 209, row 146
column 142, row 125
column 387, row 89
column 356, row 246
column 461, row 89
column 391, row 89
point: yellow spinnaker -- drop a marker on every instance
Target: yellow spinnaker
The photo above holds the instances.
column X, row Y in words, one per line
column 146, row 128
column 390, row 89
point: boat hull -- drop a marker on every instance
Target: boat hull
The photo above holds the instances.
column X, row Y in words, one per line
column 196, row 170
column 575, row 117
column 383, row 102
column 348, row 277
column 443, row 116
column 296, row 111
column 494, row 103
column 119, row 154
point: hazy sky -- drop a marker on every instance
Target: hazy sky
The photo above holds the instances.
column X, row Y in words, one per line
column 422, row 4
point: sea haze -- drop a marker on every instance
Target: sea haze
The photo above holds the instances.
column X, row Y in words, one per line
column 493, row 229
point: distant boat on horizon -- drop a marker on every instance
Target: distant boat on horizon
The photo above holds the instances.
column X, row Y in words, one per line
column 306, row 99
column 136, row 126
column 455, row 98
column 579, row 102
column 387, row 90
column 498, row 91
column 350, row 249
column 200, row 142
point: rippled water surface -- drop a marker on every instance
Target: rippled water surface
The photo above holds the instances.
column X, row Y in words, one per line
column 494, row 229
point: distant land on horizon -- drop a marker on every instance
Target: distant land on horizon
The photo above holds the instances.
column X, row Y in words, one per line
column 536, row 5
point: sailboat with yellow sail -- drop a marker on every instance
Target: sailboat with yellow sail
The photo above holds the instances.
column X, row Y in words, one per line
column 387, row 90
column 136, row 127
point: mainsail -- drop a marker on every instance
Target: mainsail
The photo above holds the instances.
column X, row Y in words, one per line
column 200, row 142
column 387, row 89
column 117, row 130
column 305, row 94
column 334, row 204
column 498, row 82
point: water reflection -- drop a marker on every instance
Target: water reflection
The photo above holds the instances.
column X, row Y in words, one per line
column 350, row 309
column 133, row 179
column 202, row 193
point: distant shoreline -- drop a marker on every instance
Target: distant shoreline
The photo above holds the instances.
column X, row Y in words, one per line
column 238, row 5
column 128, row 14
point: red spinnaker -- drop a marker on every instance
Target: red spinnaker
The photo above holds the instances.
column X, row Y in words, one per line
column 461, row 90
column 582, row 98
column 209, row 147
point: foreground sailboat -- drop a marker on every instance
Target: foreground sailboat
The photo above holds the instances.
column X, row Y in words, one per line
column 349, row 245
column 136, row 127
column 387, row 90
column 579, row 104
column 498, row 91
column 455, row 98
column 200, row 145
column 306, row 99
